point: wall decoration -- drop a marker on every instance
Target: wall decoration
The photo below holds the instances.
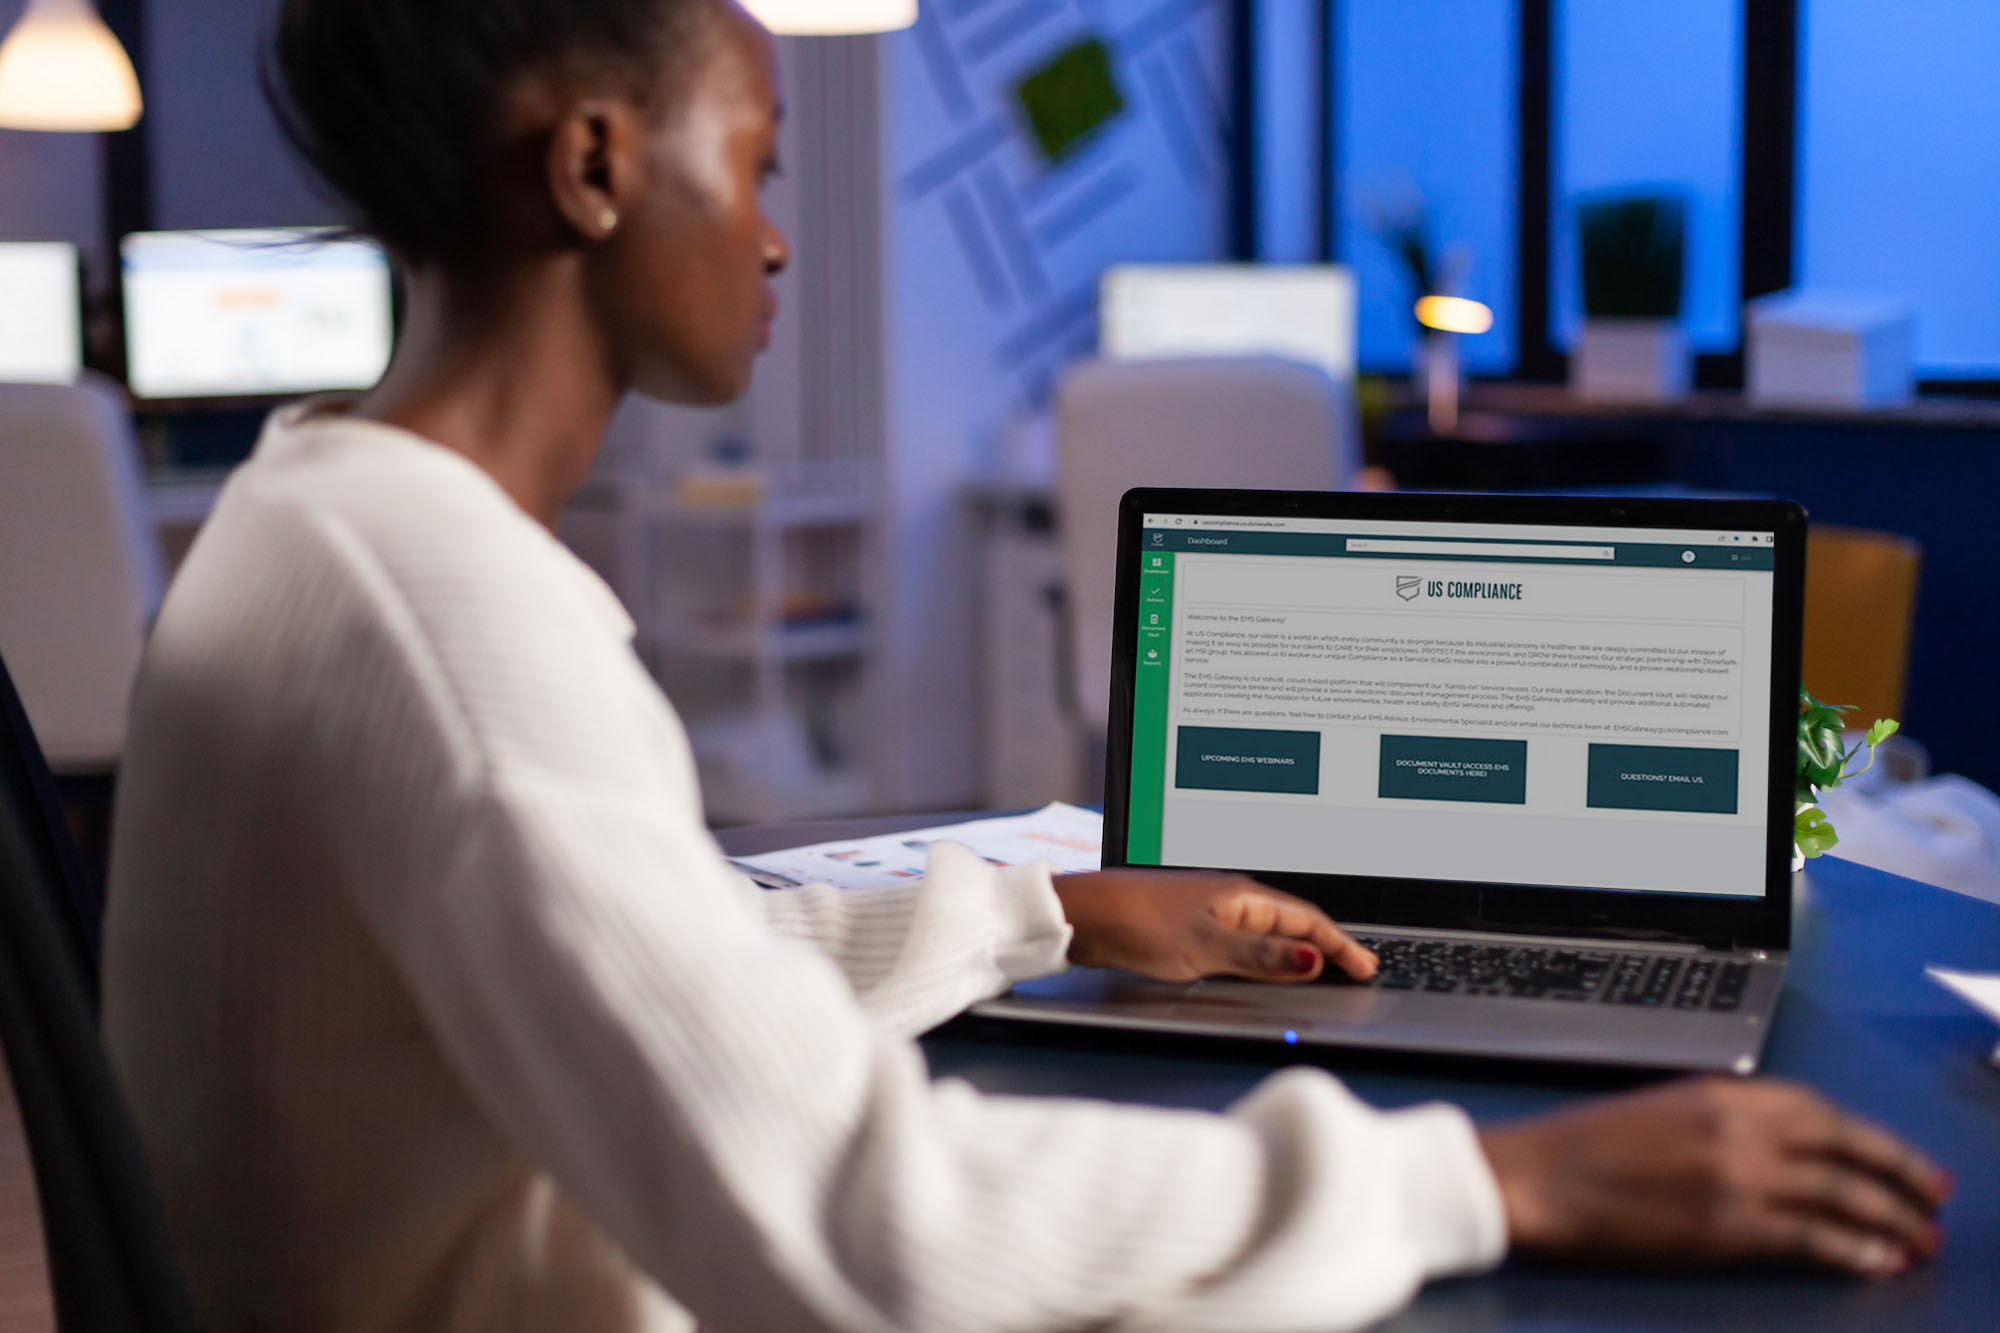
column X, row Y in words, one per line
column 1071, row 98
column 1051, row 138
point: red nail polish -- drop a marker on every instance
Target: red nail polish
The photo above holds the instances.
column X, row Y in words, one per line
column 1304, row 960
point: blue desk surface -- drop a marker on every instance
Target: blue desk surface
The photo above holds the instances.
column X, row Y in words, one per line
column 1859, row 1021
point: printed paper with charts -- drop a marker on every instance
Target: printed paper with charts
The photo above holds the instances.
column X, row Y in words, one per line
column 1067, row 837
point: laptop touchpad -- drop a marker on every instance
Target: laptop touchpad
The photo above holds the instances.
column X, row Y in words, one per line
column 1250, row 1001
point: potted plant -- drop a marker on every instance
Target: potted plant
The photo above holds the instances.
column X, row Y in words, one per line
column 1634, row 251
column 1823, row 762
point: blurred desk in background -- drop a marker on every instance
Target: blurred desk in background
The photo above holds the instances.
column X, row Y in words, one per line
column 177, row 502
column 1494, row 452
column 1556, row 403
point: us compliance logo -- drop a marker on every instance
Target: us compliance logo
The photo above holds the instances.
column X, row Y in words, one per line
column 1409, row 587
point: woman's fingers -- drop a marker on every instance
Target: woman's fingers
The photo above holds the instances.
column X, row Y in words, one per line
column 1298, row 919
column 1812, row 1126
column 1266, row 957
column 1815, row 1238
column 1855, row 1200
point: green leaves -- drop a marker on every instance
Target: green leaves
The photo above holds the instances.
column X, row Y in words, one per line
column 1823, row 764
column 1634, row 252
column 1813, row 832
column 1821, row 757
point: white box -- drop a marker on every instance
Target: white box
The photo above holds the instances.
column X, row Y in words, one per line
column 1824, row 350
column 1630, row 361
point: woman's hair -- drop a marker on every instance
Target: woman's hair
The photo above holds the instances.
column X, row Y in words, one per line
column 397, row 104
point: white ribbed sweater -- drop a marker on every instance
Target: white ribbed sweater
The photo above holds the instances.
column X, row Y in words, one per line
column 439, row 1010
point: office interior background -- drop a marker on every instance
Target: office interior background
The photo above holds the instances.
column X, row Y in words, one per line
column 853, row 583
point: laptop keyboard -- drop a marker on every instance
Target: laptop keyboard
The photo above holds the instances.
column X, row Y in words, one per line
column 1542, row 972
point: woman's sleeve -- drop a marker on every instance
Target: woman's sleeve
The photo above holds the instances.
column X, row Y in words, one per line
column 712, row 1093
column 918, row 953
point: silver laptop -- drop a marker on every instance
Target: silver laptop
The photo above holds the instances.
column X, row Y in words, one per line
column 1537, row 752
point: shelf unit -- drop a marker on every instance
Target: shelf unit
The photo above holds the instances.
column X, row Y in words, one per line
column 776, row 704
column 787, row 643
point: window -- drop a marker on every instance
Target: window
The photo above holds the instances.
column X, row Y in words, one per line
column 1838, row 145
column 1425, row 115
column 1899, row 133
column 1648, row 95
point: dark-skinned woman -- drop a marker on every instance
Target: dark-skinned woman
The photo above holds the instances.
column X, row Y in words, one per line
column 438, row 1008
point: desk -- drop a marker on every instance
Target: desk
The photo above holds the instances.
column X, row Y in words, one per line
column 1859, row 1021
column 177, row 503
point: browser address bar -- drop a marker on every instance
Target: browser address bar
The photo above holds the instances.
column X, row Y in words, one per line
column 1516, row 550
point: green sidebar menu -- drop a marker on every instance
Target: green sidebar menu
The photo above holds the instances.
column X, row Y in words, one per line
column 1149, row 708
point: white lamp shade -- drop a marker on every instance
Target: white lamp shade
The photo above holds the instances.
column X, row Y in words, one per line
column 828, row 17
column 61, row 69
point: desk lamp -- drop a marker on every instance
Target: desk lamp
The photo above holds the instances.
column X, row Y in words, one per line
column 828, row 17
column 1446, row 317
column 61, row 69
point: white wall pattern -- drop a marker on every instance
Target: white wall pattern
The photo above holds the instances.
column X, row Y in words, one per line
column 992, row 270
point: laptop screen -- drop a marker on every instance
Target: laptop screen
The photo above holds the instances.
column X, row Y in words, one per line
column 1485, row 703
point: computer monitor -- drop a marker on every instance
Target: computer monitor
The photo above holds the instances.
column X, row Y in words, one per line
column 41, row 321
column 253, row 314
column 1304, row 311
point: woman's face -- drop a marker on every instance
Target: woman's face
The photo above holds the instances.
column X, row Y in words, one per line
column 685, row 288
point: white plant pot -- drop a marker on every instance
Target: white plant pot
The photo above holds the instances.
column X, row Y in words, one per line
column 1630, row 361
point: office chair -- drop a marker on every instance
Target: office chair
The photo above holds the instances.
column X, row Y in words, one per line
column 80, row 570
column 111, row 1263
column 1261, row 422
column 28, row 788
column 80, row 580
column 1861, row 601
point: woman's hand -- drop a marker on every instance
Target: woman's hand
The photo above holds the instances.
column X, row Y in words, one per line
column 1181, row 925
column 1713, row 1171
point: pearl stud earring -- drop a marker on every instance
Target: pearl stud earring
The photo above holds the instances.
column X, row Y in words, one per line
column 608, row 220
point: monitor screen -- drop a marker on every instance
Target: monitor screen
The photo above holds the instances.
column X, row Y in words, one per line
column 41, row 321
column 227, row 314
column 1305, row 312
column 1504, row 704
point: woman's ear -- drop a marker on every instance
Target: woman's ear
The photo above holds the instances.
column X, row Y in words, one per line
column 594, row 163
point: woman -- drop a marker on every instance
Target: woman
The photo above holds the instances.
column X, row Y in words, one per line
column 438, row 1008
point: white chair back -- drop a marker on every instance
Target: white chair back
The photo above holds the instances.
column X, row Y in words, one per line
column 80, row 574
column 1259, row 422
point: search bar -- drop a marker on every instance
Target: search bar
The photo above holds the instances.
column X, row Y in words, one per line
column 1504, row 550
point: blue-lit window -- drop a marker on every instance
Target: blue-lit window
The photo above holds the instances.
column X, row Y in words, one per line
column 1648, row 94
column 1898, row 184
column 1426, row 112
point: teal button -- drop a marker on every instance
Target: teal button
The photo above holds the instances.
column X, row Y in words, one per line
column 1453, row 768
column 1247, row 759
column 1662, row 777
